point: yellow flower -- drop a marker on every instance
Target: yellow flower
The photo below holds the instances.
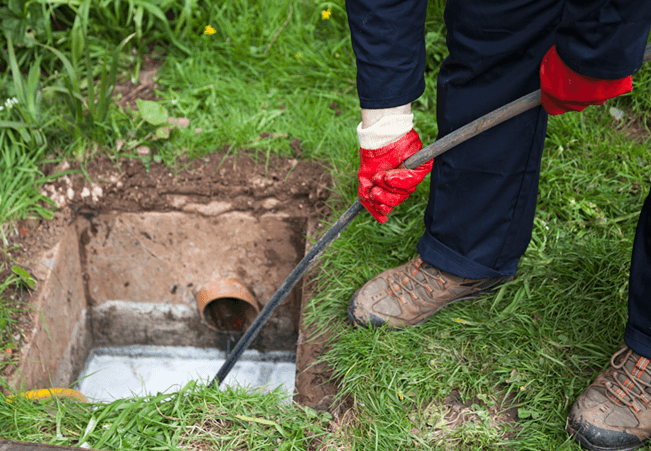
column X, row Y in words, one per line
column 209, row 30
column 400, row 394
column 298, row 55
column 326, row 14
column 336, row 55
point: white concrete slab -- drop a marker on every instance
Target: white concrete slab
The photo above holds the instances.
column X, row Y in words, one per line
column 122, row 372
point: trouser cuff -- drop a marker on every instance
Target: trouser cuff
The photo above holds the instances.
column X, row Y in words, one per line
column 638, row 341
column 442, row 257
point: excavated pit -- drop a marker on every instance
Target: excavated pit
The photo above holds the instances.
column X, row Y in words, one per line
column 119, row 277
column 140, row 274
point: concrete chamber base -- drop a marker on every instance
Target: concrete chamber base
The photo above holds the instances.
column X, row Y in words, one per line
column 122, row 372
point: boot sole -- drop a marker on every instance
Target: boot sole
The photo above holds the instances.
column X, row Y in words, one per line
column 586, row 443
column 354, row 321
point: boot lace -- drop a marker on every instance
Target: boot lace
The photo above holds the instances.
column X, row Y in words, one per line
column 399, row 287
column 622, row 391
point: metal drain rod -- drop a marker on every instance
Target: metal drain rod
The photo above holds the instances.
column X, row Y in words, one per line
column 435, row 149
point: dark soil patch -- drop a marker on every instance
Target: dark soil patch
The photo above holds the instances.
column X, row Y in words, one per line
column 437, row 420
column 634, row 127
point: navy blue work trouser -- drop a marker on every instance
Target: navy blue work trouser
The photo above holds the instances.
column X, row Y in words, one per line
column 483, row 193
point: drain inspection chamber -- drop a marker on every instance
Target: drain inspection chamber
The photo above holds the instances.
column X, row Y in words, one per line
column 133, row 281
column 147, row 300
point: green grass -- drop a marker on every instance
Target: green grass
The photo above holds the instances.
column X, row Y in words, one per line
column 541, row 339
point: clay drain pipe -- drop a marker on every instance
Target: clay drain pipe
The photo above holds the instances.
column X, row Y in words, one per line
column 226, row 305
column 435, row 149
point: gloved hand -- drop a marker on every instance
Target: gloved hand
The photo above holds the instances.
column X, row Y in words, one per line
column 563, row 90
column 382, row 187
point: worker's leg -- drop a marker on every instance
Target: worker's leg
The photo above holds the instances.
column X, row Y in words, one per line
column 638, row 328
column 613, row 413
column 483, row 192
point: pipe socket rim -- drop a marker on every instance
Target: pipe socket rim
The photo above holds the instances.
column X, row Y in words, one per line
column 223, row 288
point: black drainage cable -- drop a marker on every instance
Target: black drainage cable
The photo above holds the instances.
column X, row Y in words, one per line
column 284, row 290
column 435, row 149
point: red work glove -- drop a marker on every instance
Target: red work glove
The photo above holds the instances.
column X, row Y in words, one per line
column 563, row 90
column 382, row 187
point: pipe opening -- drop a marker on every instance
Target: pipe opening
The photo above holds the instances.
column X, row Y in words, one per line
column 229, row 314
column 226, row 305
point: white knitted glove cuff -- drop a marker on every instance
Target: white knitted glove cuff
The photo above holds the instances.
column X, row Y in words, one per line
column 387, row 130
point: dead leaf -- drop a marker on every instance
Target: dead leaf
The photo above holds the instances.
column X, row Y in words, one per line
column 143, row 151
column 146, row 77
column 180, row 122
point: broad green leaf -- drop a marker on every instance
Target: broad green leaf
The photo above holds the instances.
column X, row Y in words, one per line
column 152, row 112
column 163, row 132
column 17, row 7
column 5, row 13
column 36, row 18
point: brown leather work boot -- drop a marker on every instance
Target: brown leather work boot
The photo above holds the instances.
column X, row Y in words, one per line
column 614, row 412
column 409, row 294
